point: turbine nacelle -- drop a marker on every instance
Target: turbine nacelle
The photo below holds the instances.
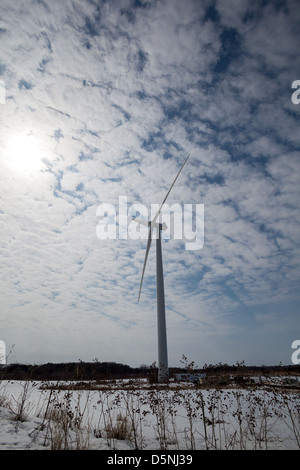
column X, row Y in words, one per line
column 151, row 224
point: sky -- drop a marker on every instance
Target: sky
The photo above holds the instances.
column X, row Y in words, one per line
column 102, row 100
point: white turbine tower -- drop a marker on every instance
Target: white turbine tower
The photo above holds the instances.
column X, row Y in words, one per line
column 163, row 368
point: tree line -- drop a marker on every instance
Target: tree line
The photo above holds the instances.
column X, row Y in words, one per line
column 111, row 370
column 68, row 371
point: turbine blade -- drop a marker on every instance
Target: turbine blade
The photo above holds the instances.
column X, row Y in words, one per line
column 158, row 212
column 145, row 261
column 153, row 223
column 140, row 221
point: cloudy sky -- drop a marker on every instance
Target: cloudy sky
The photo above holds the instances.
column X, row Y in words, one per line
column 105, row 99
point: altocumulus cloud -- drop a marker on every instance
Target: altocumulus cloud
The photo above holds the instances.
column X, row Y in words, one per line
column 117, row 94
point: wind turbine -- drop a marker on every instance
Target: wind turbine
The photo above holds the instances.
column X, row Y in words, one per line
column 163, row 368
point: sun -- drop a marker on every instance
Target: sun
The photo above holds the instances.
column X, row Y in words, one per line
column 23, row 153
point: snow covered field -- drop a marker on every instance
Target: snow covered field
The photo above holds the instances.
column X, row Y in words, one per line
column 35, row 417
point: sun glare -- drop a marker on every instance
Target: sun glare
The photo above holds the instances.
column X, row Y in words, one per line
column 23, row 153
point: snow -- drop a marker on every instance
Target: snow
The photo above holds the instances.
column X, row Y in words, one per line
column 19, row 435
column 125, row 419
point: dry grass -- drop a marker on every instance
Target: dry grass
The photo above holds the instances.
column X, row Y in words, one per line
column 213, row 418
